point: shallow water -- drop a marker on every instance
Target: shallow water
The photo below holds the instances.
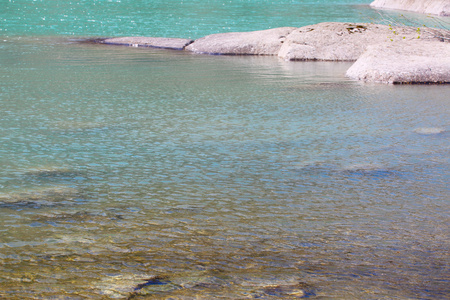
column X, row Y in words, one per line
column 131, row 173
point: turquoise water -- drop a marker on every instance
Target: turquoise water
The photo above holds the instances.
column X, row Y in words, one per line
column 131, row 173
column 172, row 18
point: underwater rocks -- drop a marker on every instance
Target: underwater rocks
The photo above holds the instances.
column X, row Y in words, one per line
column 435, row 7
column 429, row 130
column 43, row 186
column 153, row 42
column 382, row 53
column 38, row 197
column 203, row 285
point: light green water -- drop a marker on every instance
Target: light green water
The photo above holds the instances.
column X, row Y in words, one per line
column 131, row 173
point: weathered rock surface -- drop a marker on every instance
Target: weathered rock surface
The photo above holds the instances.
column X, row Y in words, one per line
column 264, row 42
column 154, row 42
column 435, row 7
column 340, row 41
column 406, row 62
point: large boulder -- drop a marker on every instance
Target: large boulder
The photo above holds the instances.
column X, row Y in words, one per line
column 407, row 62
column 435, row 7
column 341, row 41
column 154, row 42
column 264, row 42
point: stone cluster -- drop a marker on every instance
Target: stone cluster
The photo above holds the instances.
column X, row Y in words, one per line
column 382, row 53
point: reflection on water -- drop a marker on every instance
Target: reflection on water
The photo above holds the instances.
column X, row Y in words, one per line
column 153, row 174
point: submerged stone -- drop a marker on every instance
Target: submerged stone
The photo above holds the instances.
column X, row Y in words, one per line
column 39, row 197
column 298, row 290
column 52, row 174
column 371, row 170
column 429, row 130
column 128, row 285
column 154, row 42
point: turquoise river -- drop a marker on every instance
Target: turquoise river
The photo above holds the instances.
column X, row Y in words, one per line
column 138, row 173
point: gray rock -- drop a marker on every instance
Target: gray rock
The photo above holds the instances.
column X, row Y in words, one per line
column 154, row 42
column 264, row 42
column 404, row 62
column 435, row 7
column 384, row 53
column 341, row 41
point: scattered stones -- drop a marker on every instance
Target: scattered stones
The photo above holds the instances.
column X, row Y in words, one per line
column 139, row 287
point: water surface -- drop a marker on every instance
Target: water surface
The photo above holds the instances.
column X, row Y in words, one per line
column 133, row 173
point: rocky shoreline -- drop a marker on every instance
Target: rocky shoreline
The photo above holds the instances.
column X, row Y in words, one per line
column 386, row 54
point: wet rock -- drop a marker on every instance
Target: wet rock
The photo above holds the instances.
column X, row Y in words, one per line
column 52, row 174
column 159, row 284
column 264, row 42
column 367, row 170
column 403, row 63
column 298, row 290
column 128, row 286
column 154, row 280
column 153, row 42
column 435, row 7
column 335, row 41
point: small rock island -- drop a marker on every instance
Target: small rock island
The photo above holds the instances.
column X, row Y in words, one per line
column 382, row 53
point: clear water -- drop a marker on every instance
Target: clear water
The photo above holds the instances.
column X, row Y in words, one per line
column 170, row 18
column 149, row 174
